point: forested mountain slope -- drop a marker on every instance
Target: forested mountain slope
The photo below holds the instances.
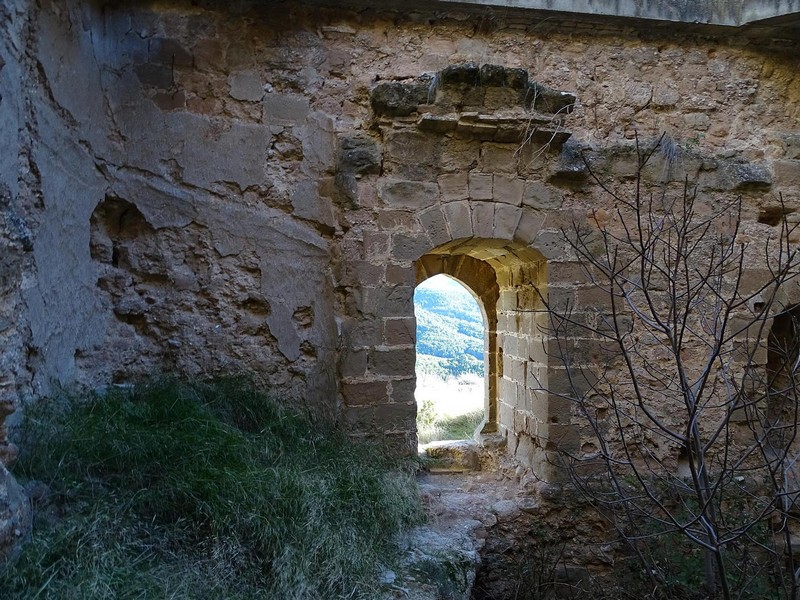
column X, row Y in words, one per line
column 449, row 329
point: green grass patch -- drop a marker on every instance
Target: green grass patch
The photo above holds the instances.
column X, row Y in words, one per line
column 170, row 490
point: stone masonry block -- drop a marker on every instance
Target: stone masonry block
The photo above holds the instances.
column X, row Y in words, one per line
column 506, row 414
column 571, row 273
column 534, row 379
column 507, row 301
column 787, row 172
column 551, row 244
column 520, row 421
column 411, row 147
column 246, row 85
column 507, row 389
column 499, row 158
column 480, row 186
column 408, row 194
column 394, row 98
column 400, row 274
column 403, row 390
column 399, row 331
column 393, row 362
column 435, row 226
column 573, row 384
column 353, row 362
column 540, row 196
column 308, row 204
column 483, row 219
column 367, row 393
column 527, row 297
column 359, row 272
column 394, row 301
column 360, row 418
column 559, row 409
column 409, row 247
column 564, row 437
column 377, row 245
column 396, row 220
column 514, row 369
column 357, row 333
column 454, row 186
column 561, row 299
column 459, row 219
column 508, row 343
column 594, row 298
column 508, row 189
column 285, row 109
column 396, row 416
column 506, row 220
column 530, row 223
column 540, row 404
column 593, row 352
column 359, row 155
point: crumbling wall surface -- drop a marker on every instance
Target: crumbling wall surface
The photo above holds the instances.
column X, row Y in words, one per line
column 249, row 188
column 201, row 269
column 154, row 243
column 54, row 129
column 15, row 265
column 204, row 189
column 20, row 206
column 15, row 240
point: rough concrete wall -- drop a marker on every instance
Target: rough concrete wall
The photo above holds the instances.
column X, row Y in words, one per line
column 220, row 281
column 53, row 124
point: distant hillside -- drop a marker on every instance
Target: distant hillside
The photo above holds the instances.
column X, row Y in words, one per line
column 449, row 329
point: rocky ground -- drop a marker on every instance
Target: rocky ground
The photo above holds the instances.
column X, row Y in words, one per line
column 463, row 505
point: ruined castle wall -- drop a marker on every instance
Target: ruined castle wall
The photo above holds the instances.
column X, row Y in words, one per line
column 48, row 186
column 201, row 190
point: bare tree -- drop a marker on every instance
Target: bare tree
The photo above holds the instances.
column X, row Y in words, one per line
column 689, row 426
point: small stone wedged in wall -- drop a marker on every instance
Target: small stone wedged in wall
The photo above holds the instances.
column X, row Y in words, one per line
column 397, row 99
column 357, row 155
column 741, row 176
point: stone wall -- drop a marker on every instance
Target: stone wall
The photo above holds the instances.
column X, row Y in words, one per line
column 205, row 190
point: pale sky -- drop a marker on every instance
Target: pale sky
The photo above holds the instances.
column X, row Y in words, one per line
column 443, row 283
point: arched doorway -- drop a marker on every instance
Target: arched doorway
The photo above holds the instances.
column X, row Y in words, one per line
column 452, row 360
column 510, row 282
